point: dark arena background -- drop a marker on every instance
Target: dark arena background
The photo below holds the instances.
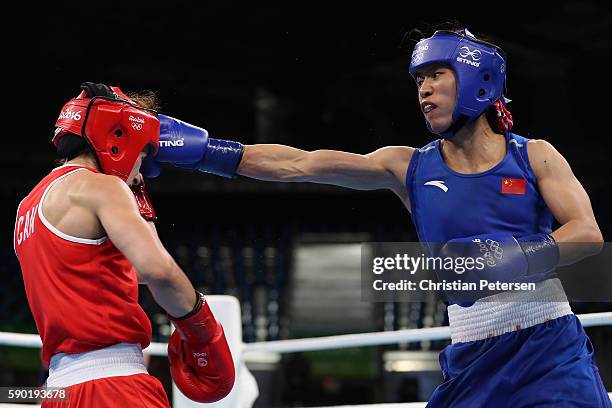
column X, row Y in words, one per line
column 314, row 76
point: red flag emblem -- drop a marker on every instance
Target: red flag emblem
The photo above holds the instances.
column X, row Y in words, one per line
column 513, row 186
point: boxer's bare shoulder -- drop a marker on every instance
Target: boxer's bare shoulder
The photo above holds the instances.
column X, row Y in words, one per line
column 102, row 192
column 86, row 188
column 65, row 207
column 396, row 159
column 71, row 205
column 543, row 156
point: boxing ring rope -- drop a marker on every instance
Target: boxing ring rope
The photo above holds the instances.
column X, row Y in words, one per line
column 317, row 343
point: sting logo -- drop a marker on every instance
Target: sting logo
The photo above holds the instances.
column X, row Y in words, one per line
column 474, row 56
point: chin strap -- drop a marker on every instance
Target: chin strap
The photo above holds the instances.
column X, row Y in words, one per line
column 454, row 127
column 503, row 120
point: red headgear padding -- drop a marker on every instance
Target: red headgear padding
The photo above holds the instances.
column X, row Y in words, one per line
column 115, row 127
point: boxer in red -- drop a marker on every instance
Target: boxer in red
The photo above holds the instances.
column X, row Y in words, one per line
column 85, row 240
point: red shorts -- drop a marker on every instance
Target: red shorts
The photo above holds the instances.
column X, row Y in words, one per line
column 134, row 391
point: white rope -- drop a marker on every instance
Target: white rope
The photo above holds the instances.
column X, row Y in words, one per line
column 382, row 338
column 350, row 340
column 317, row 343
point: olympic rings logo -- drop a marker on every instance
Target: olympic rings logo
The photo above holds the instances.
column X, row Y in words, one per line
column 137, row 126
column 498, row 251
column 416, row 58
column 474, row 55
column 491, row 250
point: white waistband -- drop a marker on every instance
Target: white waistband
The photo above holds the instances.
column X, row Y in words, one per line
column 117, row 360
column 507, row 312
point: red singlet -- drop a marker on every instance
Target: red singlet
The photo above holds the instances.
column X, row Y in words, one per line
column 83, row 292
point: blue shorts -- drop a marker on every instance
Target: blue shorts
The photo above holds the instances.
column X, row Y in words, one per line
column 548, row 365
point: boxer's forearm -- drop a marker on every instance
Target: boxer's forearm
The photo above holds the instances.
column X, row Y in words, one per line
column 288, row 164
column 272, row 162
column 172, row 290
column 577, row 239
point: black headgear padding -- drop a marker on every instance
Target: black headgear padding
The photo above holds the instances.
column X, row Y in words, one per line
column 93, row 90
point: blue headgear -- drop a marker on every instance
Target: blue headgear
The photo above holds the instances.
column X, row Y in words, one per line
column 480, row 71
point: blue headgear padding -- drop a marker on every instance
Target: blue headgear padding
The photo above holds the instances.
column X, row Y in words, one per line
column 480, row 71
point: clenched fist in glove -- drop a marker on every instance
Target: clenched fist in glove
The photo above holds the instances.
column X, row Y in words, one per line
column 188, row 146
column 201, row 363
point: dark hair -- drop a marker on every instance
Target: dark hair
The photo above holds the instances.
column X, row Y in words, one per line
column 416, row 34
column 426, row 30
column 71, row 145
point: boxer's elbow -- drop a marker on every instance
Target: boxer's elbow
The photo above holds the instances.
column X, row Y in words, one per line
column 589, row 240
column 594, row 238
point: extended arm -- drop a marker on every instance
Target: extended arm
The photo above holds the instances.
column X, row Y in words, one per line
column 190, row 147
column 372, row 171
column 568, row 201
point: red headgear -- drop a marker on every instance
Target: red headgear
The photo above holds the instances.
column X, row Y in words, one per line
column 115, row 127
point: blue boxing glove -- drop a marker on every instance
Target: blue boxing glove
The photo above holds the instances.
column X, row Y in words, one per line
column 189, row 147
column 503, row 258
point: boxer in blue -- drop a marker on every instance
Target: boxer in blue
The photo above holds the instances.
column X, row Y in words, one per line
column 509, row 349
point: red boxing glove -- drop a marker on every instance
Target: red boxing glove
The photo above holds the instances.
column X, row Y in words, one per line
column 144, row 202
column 201, row 363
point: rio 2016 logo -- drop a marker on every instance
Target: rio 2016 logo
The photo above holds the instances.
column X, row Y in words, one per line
column 68, row 114
column 137, row 122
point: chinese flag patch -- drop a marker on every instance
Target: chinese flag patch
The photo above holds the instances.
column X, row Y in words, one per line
column 513, row 186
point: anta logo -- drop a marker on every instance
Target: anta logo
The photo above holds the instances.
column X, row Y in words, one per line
column 136, row 119
column 474, row 56
column 172, row 143
column 437, row 183
column 68, row 114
